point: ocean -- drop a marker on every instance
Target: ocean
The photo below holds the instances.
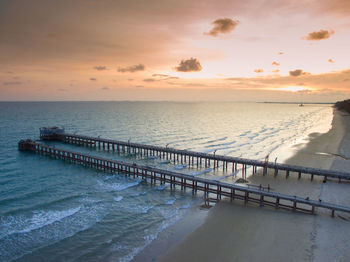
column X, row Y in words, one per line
column 55, row 211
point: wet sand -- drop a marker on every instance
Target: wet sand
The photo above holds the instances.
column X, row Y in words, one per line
column 235, row 232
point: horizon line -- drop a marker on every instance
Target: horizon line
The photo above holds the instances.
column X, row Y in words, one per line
column 194, row 101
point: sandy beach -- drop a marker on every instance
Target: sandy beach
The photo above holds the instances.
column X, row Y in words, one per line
column 234, row 232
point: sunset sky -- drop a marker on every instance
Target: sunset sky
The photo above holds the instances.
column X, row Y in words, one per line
column 261, row 50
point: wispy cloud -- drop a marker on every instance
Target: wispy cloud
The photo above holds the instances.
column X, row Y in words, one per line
column 319, row 35
column 131, row 69
column 149, row 80
column 160, row 75
column 331, row 61
column 165, row 77
column 222, row 26
column 12, row 83
column 93, row 79
column 189, row 65
column 274, row 63
column 105, row 88
column 259, row 70
column 100, row 68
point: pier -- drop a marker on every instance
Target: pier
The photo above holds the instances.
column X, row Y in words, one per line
column 198, row 159
column 212, row 190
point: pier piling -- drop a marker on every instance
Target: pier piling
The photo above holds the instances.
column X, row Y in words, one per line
column 212, row 190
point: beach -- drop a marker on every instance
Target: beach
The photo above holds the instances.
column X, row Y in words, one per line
column 238, row 232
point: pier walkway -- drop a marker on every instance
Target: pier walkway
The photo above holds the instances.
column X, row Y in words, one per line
column 198, row 159
column 213, row 190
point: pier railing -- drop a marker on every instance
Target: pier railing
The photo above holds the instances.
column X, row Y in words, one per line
column 199, row 159
column 208, row 187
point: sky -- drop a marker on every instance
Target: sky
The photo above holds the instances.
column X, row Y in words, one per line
column 175, row 50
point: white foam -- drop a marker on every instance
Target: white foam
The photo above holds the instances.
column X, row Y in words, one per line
column 39, row 219
column 170, row 202
column 161, row 187
column 118, row 198
column 69, row 223
column 117, row 186
column 138, row 208
column 180, row 167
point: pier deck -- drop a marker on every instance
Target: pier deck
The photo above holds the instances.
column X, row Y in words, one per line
column 199, row 159
column 208, row 187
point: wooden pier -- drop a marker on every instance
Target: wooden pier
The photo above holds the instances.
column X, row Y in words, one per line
column 198, row 159
column 212, row 190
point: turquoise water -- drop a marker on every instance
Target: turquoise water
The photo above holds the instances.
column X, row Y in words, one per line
column 55, row 211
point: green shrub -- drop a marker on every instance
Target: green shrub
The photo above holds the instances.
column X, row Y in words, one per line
column 343, row 105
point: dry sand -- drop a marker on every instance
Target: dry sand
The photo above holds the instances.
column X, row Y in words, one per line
column 234, row 232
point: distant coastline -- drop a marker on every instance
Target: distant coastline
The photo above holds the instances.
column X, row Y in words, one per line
column 164, row 101
column 297, row 103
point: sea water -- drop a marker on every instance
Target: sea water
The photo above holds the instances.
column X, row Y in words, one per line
column 51, row 210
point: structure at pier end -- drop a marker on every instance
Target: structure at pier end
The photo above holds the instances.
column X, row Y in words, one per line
column 50, row 133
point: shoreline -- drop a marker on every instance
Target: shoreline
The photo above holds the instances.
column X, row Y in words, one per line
column 232, row 231
column 173, row 234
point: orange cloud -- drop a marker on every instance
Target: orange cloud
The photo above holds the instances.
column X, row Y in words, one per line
column 223, row 26
column 274, row 63
column 259, row 70
column 319, row 35
column 331, row 61
column 189, row 65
